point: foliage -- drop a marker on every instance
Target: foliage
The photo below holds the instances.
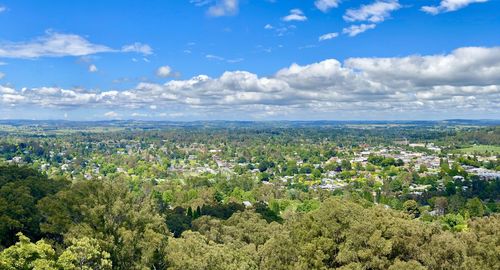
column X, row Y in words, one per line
column 20, row 190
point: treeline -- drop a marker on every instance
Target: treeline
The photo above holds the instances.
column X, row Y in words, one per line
column 105, row 224
column 489, row 136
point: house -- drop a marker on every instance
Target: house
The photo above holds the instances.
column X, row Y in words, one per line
column 65, row 167
column 247, row 204
column 334, row 160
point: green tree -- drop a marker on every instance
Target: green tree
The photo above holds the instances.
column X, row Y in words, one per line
column 124, row 224
column 84, row 254
column 20, row 190
column 411, row 207
column 27, row 255
column 346, row 165
column 475, row 207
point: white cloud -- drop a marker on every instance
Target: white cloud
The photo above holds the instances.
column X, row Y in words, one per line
column 236, row 60
column 2, row 9
column 7, row 90
column 112, row 115
column 224, row 8
column 54, row 44
column 220, row 58
column 284, row 30
column 138, row 48
column 200, row 3
column 376, row 12
column 136, row 114
column 355, row 30
column 449, row 5
column 328, row 36
column 326, row 5
column 164, row 71
column 51, row 45
column 92, row 68
column 295, row 15
column 214, row 57
column 2, row 75
column 268, row 27
column 465, row 80
column 464, row 66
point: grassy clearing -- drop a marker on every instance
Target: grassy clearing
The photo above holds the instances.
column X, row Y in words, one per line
column 481, row 149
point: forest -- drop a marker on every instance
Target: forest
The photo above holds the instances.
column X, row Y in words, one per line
column 250, row 198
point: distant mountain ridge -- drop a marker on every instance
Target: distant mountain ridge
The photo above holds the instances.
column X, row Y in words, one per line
column 226, row 123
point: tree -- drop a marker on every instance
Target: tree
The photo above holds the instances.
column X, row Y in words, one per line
column 84, row 254
column 178, row 221
column 316, row 173
column 454, row 222
column 264, row 177
column 475, row 207
column 27, row 255
column 440, row 204
column 411, row 207
column 346, row 165
column 193, row 251
column 481, row 241
column 20, row 190
column 423, row 168
column 126, row 225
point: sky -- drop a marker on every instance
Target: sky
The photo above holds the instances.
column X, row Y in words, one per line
column 186, row 60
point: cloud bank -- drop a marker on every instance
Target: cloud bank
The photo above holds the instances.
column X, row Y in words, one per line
column 465, row 80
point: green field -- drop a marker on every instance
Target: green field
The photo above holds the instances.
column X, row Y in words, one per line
column 481, row 149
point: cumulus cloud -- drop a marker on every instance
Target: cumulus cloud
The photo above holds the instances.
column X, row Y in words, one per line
column 463, row 67
column 164, row 71
column 326, row 5
column 465, row 80
column 328, row 36
column 93, row 68
column 355, row 30
column 295, row 15
column 54, row 44
column 449, row 5
column 222, row 8
column 376, row 12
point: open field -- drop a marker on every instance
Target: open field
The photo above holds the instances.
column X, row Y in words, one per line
column 481, row 149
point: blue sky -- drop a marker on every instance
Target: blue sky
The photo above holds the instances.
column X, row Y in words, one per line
column 87, row 60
